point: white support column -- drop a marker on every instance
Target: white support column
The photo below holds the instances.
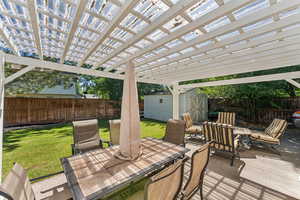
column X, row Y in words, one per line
column 175, row 100
column 294, row 83
column 2, row 80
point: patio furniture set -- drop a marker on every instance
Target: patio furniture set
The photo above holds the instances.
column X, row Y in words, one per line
column 225, row 136
column 94, row 172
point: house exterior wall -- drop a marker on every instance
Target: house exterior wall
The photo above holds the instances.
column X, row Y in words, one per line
column 58, row 91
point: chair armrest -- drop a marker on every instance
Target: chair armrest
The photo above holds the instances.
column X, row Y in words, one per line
column 46, row 176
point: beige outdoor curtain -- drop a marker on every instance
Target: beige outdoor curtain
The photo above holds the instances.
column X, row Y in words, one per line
column 130, row 137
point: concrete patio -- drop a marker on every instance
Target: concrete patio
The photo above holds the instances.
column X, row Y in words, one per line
column 259, row 174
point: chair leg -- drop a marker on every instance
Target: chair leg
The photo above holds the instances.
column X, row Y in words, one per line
column 201, row 193
column 274, row 150
column 232, row 160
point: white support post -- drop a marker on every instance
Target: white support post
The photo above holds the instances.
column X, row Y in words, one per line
column 175, row 100
column 2, row 80
column 294, row 83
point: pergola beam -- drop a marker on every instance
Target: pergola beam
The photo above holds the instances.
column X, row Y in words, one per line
column 264, row 78
column 122, row 14
column 250, row 68
column 164, row 18
column 252, row 55
column 221, row 70
column 294, row 83
column 33, row 14
column 79, row 11
column 18, row 74
column 67, row 68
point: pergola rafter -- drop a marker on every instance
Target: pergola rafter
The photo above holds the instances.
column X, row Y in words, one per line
column 187, row 28
column 7, row 41
column 229, row 53
column 35, row 26
column 176, row 10
column 231, row 27
column 79, row 11
column 125, row 10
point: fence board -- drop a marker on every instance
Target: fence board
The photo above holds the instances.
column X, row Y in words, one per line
column 25, row 111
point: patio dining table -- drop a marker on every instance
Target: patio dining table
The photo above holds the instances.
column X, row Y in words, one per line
column 98, row 173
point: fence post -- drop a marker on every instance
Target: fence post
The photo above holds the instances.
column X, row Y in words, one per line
column 73, row 110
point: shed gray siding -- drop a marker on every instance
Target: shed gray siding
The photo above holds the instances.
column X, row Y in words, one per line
column 195, row 104
column 153, row 109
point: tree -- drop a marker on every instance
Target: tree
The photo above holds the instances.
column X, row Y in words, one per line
column 112, row 88
column 35, row 81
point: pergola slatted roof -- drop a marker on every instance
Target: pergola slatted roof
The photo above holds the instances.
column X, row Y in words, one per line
column 168, row 40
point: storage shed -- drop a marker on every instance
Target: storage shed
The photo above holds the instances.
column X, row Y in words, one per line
column 159, row 106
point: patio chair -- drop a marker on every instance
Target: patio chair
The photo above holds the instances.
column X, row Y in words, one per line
column 271, row 135
column 199, row 163
column 165, row 185
column 114, row 131
column 17, row 186
column 190, row 128
column 226, row 118
column 175, row 132
column 86, row 136
column 222, row 138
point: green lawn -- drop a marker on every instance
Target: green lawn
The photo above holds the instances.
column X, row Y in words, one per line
column 39, row 150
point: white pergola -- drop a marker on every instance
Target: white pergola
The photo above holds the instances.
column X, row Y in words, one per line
column 168, row 41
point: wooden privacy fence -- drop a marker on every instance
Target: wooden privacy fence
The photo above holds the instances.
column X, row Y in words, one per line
column 24, row 111
column 287, row 106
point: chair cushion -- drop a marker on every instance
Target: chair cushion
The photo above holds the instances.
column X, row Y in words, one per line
column 224, row 147
column 276, row 128
column 262, row 137
column 194, row 129
column 188, row 120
